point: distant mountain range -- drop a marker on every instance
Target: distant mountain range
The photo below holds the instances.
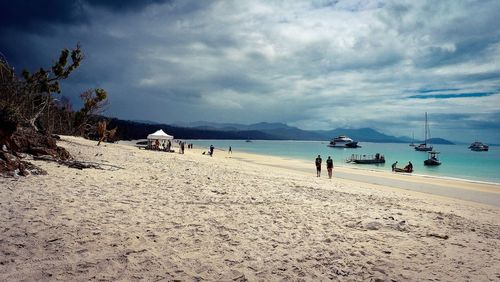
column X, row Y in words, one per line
column 281, row 131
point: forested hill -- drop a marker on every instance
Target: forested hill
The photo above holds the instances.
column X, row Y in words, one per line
column 130, row 130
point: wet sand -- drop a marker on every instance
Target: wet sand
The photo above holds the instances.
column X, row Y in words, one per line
column 476, row 191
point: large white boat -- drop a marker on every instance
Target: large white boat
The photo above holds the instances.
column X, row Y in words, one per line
column 343, row 141
column 478, row 146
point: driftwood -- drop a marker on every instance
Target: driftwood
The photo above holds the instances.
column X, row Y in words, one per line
column 19, row 142
column 103, row 164
column 444, row 237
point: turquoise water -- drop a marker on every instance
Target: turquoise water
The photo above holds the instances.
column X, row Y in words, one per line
column 457, row 160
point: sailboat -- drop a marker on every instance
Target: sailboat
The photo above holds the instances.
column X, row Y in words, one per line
column 423, row 147
column 412, row 140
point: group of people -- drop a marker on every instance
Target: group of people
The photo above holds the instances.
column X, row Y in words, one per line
column 163, row 146
column 182, row 146
column 407, row 168
column 329, row 166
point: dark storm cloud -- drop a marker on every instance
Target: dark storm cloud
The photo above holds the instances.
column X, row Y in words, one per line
column 451, row 96
column 30, row 15
column 124, row 5
column 33, row 14
column 24, row 22
column 437, row 90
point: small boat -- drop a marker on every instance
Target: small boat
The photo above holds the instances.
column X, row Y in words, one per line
column 397, row 169
column 412, row 144
column 248, row 141
column 367, row 159
column 432, row 160
column 343, row 141
column 478, row 146
column 423, row 147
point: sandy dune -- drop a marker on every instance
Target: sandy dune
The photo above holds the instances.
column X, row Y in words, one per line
column 165, row 216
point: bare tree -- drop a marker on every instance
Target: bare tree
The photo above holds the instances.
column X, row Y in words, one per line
column 104, row 133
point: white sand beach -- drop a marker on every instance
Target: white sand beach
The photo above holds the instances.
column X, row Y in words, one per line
column 158, row 216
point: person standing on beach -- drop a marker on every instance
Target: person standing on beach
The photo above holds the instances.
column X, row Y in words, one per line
column 329, row 167
column 211, row 150
column 318, row 166
column 230, row 150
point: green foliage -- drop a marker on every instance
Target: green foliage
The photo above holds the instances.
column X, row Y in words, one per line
column 47, row 81
column 29, row 99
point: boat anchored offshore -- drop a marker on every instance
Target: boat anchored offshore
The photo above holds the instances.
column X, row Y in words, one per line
column 432, row 160
column 478, row 146
column 367, row 159
column 343, row 141
column 423, row 147
column 412, row 140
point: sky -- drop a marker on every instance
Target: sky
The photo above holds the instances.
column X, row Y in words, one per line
column 311, row 64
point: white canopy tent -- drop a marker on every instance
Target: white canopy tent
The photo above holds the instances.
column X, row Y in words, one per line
column 161, row 136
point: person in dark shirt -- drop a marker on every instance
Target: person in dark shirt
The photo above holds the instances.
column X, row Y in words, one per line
column 318, row 166
column 329, row 166
column 409, row 167
column 394, row 166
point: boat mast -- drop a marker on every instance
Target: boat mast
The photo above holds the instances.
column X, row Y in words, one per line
column 425, row 129
column 428, row 128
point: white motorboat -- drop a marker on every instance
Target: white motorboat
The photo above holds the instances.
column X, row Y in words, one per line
column 343, row 141
column 478, row 146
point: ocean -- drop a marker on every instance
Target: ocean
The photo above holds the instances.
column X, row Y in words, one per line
column 457, row 160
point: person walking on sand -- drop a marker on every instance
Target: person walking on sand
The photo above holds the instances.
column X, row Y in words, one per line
column 329, row 166
column 393, row 166
column 211, row 150
column 230, row 150
column 318, row 166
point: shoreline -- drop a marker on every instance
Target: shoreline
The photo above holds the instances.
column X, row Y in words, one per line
column 474, row 179
column 342, row 166
column 468, row 190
